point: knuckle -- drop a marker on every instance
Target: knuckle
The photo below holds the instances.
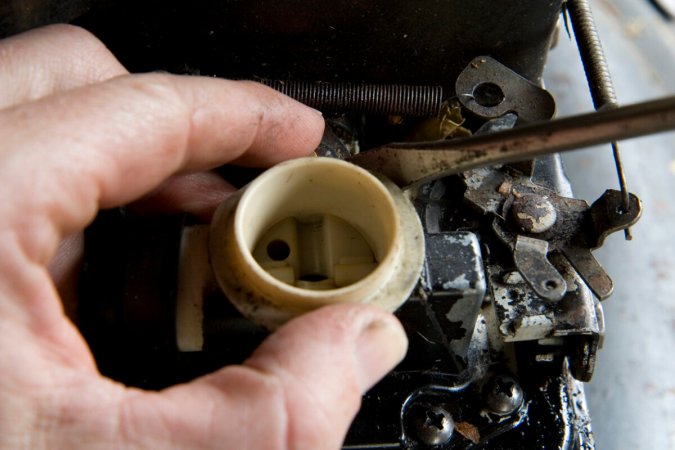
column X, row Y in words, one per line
column 75, row 34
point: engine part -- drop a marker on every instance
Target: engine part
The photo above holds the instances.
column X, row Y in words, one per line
column 489, row 89
column 383, row 99
column 409, row 163
column 495, row 359
column 312, row 232
column 597, row 75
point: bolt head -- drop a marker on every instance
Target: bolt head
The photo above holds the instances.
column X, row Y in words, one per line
column 503, row 395
column 432, row 425
column 534, row 213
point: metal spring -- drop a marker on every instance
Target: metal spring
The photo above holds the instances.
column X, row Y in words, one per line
column 598, row 77
column 376, row 99
column 592, row 54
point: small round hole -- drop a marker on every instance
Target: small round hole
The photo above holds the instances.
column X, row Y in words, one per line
column 278, row 250
column 551, row 284
column 488, row 95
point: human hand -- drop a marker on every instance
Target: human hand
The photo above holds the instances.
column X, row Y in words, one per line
column 78, row 134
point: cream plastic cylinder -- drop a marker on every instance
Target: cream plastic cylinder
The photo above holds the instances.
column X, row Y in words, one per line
column 358, row 230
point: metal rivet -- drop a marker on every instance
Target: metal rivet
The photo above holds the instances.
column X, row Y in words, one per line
column 534, row 213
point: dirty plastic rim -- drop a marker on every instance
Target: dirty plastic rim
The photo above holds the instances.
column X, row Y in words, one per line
column 380, row 272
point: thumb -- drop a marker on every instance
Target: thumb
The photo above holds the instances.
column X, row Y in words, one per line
column 301, row 389
column 326, row 361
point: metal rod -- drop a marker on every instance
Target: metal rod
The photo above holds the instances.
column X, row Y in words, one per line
column 597, row 75
column 411, row 163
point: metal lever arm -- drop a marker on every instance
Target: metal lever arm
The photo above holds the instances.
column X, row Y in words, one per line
column 410, row 163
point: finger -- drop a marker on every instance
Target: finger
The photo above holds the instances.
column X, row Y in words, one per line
column 300, row 389
column 64, row 270
column 51, row 59
column 198, row 194
column 116, row 141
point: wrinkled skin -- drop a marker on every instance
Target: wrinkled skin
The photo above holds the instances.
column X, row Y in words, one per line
column 78, row 133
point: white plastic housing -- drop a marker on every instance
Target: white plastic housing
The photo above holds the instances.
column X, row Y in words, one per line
column 312, row 232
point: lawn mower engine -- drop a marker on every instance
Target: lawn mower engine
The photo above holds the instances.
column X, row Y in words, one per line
column 504, row 319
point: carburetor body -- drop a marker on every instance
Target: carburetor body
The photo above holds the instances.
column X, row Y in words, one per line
column 504, row 321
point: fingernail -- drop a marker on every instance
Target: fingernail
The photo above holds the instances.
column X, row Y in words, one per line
column 379, row 348
column 317, row 111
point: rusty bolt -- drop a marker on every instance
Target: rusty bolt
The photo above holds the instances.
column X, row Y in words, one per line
column 534, row 213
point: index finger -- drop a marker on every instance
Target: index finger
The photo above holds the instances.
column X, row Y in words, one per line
column 107, row 144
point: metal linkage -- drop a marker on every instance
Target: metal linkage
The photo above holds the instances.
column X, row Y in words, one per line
column 597, row 75
column 416, row 162
column 377, row 99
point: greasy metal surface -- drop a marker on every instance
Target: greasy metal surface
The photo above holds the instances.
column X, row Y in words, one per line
column 456, row 286
column 631, row 396
column 374, row 99
column 577, row 230
column 530, row 257
column 465, row 404
column 512, row 92
column 331, row 146
column 553, row 415
column 410, row 163
column 525, row 316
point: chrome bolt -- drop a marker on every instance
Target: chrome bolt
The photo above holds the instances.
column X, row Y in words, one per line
column 433, row 425
column 534, row 213
column 503, row 395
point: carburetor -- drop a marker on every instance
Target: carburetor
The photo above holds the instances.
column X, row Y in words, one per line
column 466, row 226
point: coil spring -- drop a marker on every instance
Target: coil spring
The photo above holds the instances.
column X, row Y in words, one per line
column 592, row 54
column 376, row 99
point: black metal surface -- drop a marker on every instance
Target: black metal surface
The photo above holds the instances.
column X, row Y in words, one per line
column 437, row 373
column 378, row 41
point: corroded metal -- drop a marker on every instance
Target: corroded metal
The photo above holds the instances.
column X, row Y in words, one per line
column 530, row 257
column 489, row 89
column 416, row 162
column 534, row 213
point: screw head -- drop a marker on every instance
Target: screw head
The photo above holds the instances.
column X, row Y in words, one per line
column 433, row 425
column 503, row 395
column 534, row 213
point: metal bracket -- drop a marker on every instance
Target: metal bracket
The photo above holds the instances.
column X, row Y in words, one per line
column 489, row 89
column 529, row 254
column 577, row 228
